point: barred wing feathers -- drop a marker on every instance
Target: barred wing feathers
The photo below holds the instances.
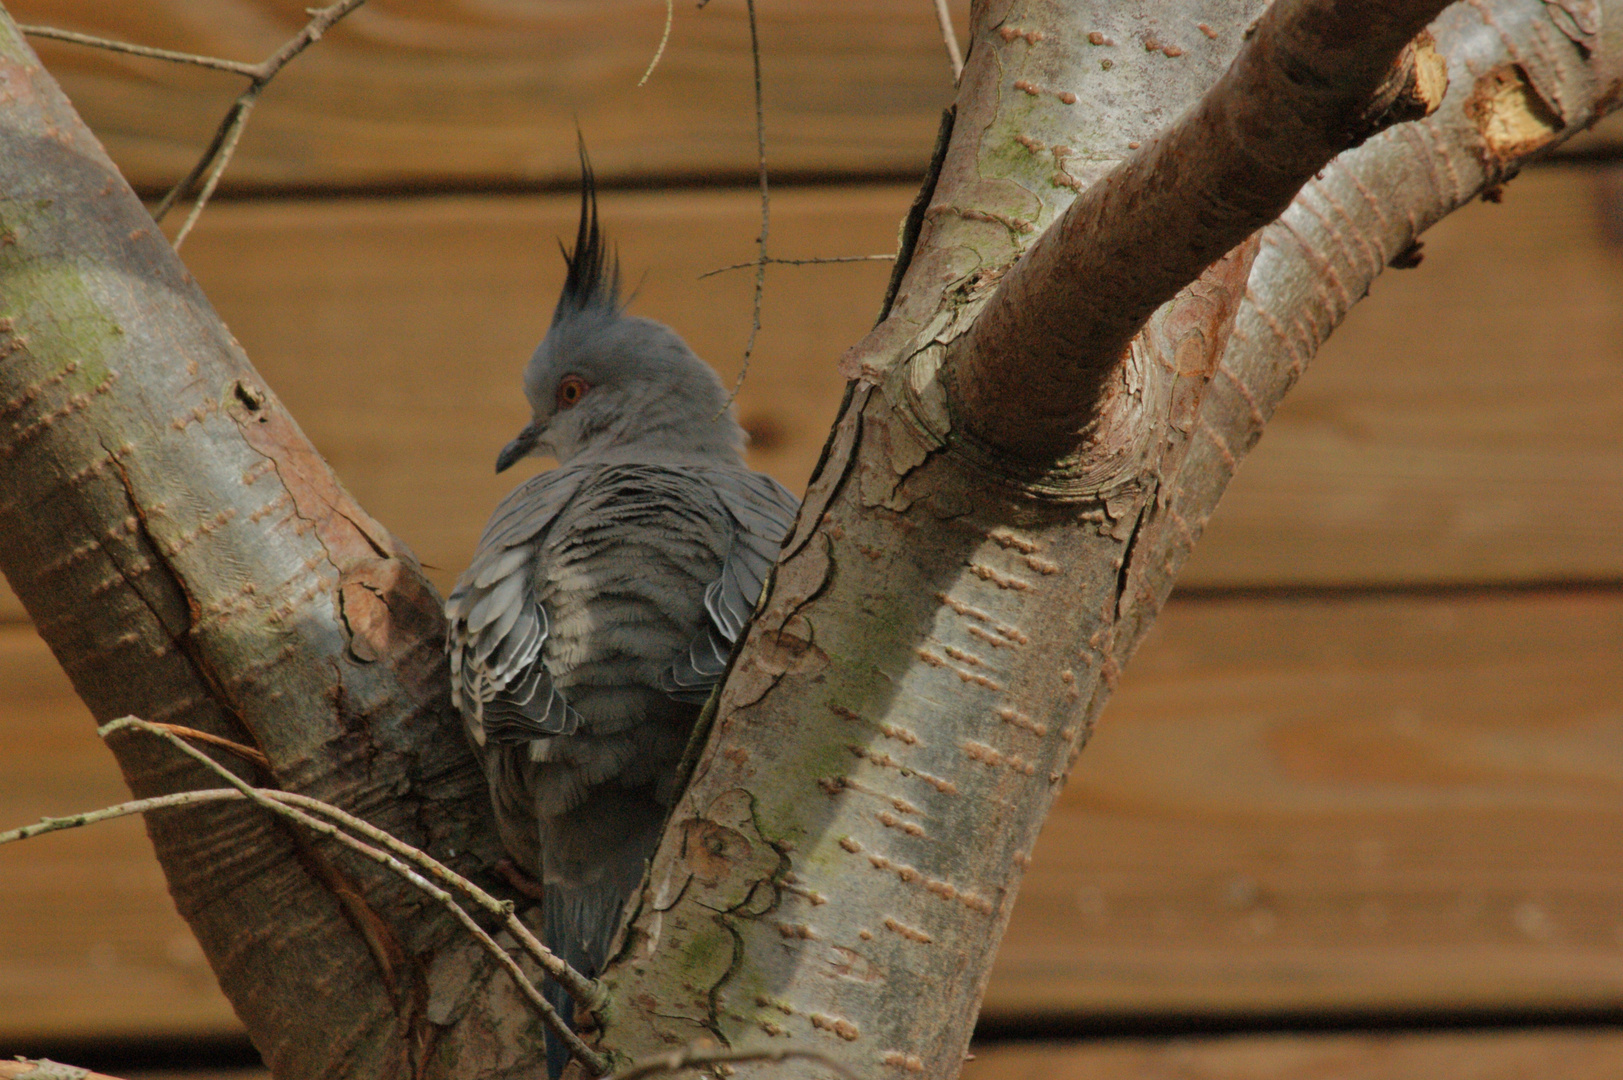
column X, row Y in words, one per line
column 762, row 511
column 497, row 628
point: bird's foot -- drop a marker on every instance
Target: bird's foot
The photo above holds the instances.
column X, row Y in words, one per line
column 521, row 882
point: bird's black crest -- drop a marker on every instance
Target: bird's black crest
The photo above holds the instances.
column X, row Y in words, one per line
column 593, row 281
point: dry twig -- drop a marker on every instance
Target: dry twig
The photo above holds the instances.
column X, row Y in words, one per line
column 580, row 988
column 670, row 16
column 694, row 1056
column 294, row 806
column 235, row 66
column 798, row 262
column 949, row 38
column 224, row 143
column 138, row 806
column 246, row 753
column 766, row 208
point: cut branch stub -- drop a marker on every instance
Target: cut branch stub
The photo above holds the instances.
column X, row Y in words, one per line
column 1031, row 376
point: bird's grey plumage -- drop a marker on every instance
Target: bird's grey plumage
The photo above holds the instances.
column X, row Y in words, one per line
column 605, row 597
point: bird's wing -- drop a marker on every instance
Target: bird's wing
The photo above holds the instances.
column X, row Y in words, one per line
column 762, row 511
column 498, row 627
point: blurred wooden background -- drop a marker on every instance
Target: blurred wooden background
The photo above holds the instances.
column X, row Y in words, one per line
column 1367, row 774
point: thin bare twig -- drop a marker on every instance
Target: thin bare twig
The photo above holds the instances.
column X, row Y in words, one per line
column 586, row 992
column 246, row 753
column 291, row 805
column 228, row 146
column 693, row 1056
column 949, row 38
column 138, row 806
column 799, row 262
column 201, row 165
column 582, row 989
column 236, row 67
column 766, row 208
column 670, row 15
column 224, row 143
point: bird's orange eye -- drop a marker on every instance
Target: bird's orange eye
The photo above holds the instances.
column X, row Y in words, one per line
column 571, row 388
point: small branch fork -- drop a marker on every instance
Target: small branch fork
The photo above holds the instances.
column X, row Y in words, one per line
column 385, row 850
column 224, row 143
column 1029, row 376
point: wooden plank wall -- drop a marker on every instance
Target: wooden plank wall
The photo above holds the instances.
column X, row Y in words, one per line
column 1370, row 762
column 414, row 93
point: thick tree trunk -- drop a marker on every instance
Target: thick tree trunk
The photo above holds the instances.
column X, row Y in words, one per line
column 190, row 559
column 948, row 617
column 952, row 613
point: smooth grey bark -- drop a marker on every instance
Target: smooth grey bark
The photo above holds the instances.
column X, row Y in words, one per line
column 942, row 631
column 946, row 625
column 190, row 559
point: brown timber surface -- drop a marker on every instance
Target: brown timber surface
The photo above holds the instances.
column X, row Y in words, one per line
column 1356, row 805
column 1445, row 434
column 1400, row 791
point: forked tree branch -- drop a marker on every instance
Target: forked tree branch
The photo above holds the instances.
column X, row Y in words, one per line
column 223, row 145
column 1314, row 77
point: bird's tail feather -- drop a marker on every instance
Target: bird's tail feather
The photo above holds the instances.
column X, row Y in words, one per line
column 578, row 923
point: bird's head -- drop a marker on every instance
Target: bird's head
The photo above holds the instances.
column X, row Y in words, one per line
column 602, row 380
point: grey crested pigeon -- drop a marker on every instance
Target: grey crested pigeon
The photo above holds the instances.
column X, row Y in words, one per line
column 604, row 599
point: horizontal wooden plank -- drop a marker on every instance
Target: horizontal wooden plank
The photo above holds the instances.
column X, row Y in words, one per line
column 90, row 944
column 1550, row 1054
column 421, row 93
column 1327, row 806
column 1466, row 424
column 1525, row 1054
column 455, row 93
column 1530, row 1054
column 1384, row 803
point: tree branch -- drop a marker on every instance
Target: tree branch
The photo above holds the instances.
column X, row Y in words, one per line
column 227, row 583
column 217, row 156
column 694, row 1056
column 291, row 805
column 45, row 1069
column 236, row 67
column 1030, row 376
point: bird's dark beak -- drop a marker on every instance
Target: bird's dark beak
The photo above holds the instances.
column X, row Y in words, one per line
column 518, row 447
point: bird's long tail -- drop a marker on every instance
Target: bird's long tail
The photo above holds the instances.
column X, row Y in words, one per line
column 578, row 923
